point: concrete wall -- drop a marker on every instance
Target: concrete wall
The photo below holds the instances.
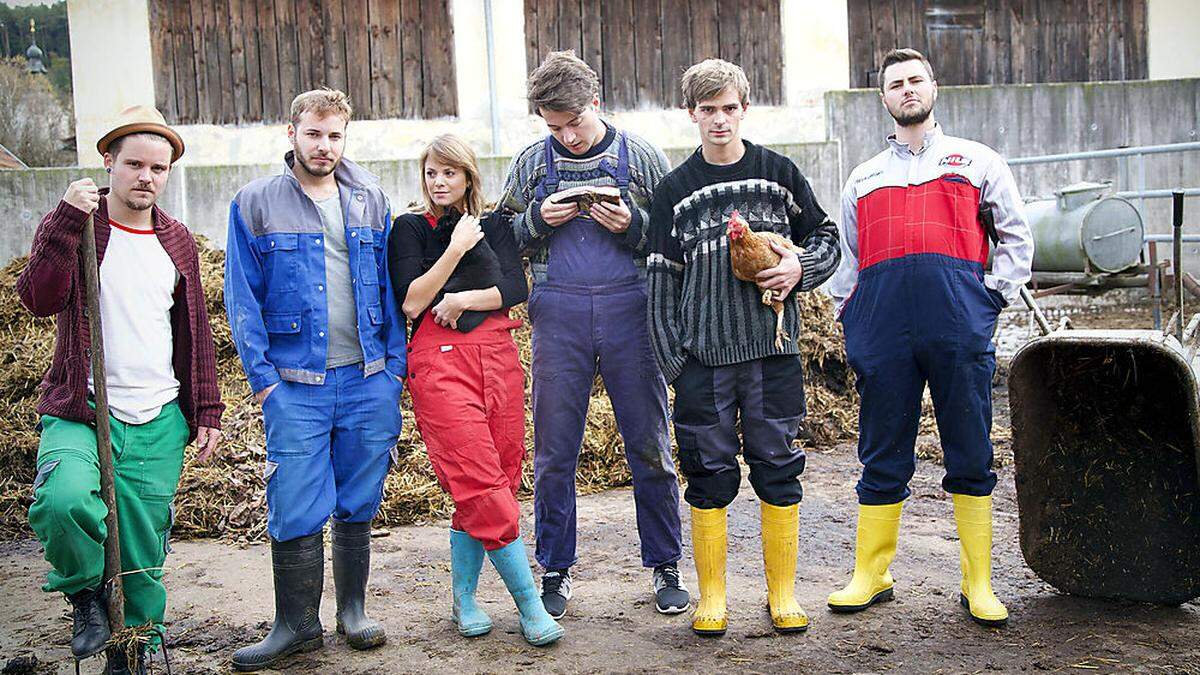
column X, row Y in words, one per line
column 1041, row 119
column 1172, row 48
column 200, row 195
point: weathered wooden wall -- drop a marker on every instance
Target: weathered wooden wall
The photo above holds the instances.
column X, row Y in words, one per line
column 229, row 61
column 1003, row 41
column 640, row 48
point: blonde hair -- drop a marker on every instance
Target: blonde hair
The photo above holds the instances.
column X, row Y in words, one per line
column 709, row 78
column 562, row 83
column 323, row 101
column 454, row 151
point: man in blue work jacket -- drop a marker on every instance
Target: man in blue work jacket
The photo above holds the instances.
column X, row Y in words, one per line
column 322, row 345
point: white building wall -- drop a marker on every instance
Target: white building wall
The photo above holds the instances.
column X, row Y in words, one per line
column 111, row 67
column 1173, row 44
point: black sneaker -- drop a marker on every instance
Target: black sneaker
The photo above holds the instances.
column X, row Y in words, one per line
column 670, row 595
column 89, row 618
column 556, row 591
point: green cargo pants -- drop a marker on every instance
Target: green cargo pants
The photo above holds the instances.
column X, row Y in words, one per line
column 68, row 514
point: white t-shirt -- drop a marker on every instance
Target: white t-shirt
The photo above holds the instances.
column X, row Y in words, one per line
column 137, row 283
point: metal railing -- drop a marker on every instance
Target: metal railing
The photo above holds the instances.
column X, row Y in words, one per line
column 1137, row 150
column 1140, row 192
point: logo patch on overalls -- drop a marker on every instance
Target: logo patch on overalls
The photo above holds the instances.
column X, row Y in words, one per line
column 954, row 160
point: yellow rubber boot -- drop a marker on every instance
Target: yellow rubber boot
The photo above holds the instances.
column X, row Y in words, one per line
column 708, row 547
column 874, row 550
column 780, row 532
column 974, row 517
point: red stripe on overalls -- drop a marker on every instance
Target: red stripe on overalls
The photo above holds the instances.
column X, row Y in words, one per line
column 940, row 216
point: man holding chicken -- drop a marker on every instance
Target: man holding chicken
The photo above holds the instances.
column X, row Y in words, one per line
column 716, row 336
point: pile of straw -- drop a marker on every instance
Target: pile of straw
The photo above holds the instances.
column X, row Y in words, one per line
column 225, row 497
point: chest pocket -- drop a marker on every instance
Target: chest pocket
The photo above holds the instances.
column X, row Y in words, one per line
column 369, row 245
column 955, row 229
column 281, row 261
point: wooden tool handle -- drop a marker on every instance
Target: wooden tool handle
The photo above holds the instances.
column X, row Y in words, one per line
column 112, row 543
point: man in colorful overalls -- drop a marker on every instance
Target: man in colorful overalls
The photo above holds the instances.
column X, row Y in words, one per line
column 322, row 342
column 588, row 310
column 918, row 308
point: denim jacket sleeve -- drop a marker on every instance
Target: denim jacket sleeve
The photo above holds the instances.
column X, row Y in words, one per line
column 397, row 357
column 245, row 288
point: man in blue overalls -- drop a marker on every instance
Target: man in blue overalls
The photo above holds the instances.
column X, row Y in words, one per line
column 588, row 310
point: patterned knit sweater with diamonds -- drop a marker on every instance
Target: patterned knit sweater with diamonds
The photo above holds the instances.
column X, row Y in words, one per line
column 647, row 166
column 697, row 307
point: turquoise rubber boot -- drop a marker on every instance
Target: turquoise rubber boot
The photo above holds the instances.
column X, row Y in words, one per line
column 536, row 624
column 466, row 560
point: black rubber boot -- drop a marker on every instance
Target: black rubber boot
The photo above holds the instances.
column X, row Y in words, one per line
column 89, row 618
column 299, row 566
column 117, row 662
column 351, row 567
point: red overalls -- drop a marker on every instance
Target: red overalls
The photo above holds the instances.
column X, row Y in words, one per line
column 468, row 392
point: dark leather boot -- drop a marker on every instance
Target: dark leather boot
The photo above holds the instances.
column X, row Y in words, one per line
column 299, row 570
column 351, row 567
column 89, row 618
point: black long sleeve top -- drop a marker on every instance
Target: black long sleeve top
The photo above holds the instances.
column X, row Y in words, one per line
column 418, row 241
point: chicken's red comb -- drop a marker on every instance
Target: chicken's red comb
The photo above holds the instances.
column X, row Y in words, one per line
column 736, row 217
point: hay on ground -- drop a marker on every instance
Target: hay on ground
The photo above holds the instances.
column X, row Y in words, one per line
column 225, row 498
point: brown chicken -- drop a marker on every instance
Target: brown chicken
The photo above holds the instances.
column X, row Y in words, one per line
column 750, row 252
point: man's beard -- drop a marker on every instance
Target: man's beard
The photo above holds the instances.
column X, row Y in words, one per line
column 319, row 172
column 138, row 206
column 913, row 118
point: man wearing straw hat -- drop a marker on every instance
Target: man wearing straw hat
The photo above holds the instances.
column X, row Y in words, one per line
column 161, row 376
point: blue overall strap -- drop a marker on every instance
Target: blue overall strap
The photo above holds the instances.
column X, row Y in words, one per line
column 621, row 173
column 623, row 164
column 549, row 183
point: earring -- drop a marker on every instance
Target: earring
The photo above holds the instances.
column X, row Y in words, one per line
column 108, row 170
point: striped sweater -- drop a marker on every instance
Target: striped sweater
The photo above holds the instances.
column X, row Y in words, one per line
column 647, row 166
column 697, row 306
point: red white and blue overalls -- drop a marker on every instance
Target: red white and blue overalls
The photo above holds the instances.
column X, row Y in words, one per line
column 917, row 308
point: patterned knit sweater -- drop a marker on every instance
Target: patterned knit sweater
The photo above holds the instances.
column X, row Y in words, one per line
column 697, row 306
column 647, row 166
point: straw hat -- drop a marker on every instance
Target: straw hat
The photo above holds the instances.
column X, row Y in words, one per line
column 138, row 119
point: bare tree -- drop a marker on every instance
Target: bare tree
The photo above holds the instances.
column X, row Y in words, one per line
column 33, row 123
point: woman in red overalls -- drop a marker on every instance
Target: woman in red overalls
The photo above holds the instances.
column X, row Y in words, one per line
column 456, row 271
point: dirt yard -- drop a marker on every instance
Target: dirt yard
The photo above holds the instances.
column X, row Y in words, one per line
column 221, row 599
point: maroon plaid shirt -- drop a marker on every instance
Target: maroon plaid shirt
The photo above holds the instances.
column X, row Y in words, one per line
column 52, row 284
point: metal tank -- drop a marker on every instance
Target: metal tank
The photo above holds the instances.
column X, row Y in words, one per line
column 1081, row 230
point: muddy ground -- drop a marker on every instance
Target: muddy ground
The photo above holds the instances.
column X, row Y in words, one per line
column 220, row 598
